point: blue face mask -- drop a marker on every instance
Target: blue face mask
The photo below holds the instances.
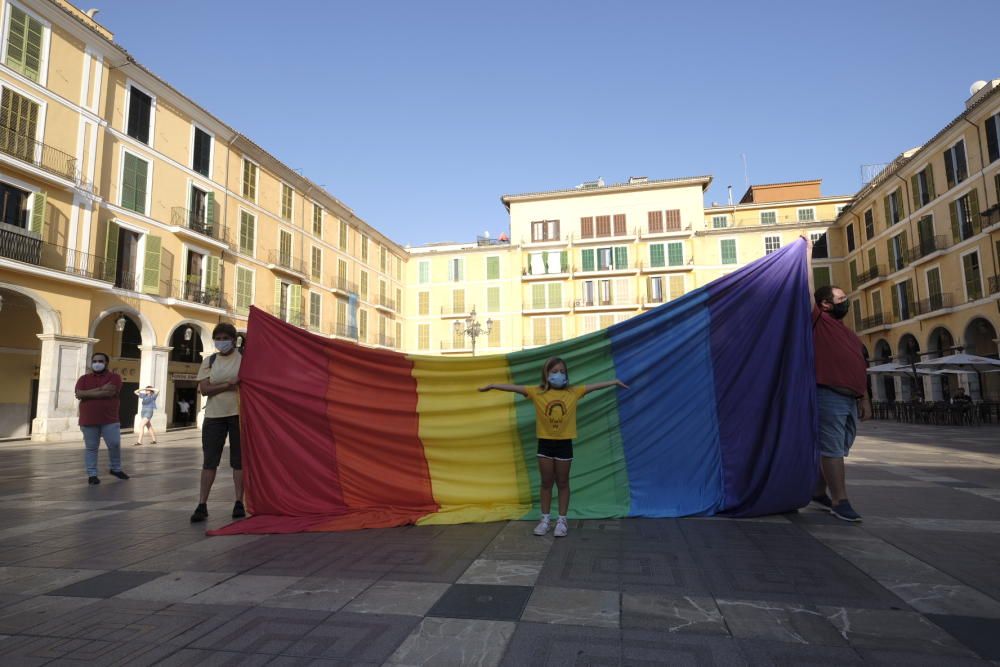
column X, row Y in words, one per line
column 557, row 379
column 223, row 346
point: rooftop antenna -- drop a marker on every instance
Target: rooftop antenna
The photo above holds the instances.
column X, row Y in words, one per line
column 730, row 195
column 746, row 170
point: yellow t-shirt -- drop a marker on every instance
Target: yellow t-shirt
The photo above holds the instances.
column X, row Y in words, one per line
column 555, row 411
column 224, row 369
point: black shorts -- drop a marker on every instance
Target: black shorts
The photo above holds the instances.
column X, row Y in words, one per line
column 560, row 450
column 213, row 440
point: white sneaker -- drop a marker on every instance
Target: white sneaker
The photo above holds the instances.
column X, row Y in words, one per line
column 561, row 529
column 542, row 527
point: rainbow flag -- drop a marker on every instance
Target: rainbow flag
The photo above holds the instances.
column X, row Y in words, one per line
column 720, row 417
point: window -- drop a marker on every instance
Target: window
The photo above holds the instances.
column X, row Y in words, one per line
column 363, row 287
column 423, row 303
column 493, row 340
column 771, row 244
column 284, row 248
column 201, row 216
column 973, row 279
column 965, row 221
column 727, row 248
column 492, row 299
column 248, row 233
column 19, row 117
column 655, row 222
column 654, row 290
column 820, row 249
column 586, row 228
column 342, row 240
column 925, row 235
column 603, row 225
column 25, row 44
column 768, row 218
column 424, row 271
column 383, row 258
column 898, row 252
column 201, row 153
column 619, row 222
column 955, row 168
column 363, row 325
column 399, row 300
column 605, row 259
column 821, row 276
column 902, row 300
column 877, row 303
column 869, row 224
column 364, row 248
column 135, row 173
column 806, row 214
column 244, row 289
column 537, row 296
column 838, row 210
column 492, row 268
column 456, row 271
column 676, row 287
column 672, row 220
column 317, row 263
column 922, row 187
column 675, row 254
column 458, row 301
column 14, row 211
column 934, row 288
column 873, row 270
column 993, row 137
column 656, row 256
column 545, row 230
column 315, row 309
column 249, row 180
column 286, row 201
column 720, row 221
column 853, row 266
column 850, row 238
column 893, row 207
column 317, row 221
column 423, row 336
column 140, row 111
column 856, row 307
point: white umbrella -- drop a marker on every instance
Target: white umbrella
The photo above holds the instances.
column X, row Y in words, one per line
column 968, row 363
column 900, row 369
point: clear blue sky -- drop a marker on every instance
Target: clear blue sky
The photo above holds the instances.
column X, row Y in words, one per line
column 420, row 115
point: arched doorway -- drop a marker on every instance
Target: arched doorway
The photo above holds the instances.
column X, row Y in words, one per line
column 909, row 354
column 883, row 355
column 940, row 344
column 981, row 339
column 188, row 344
column 119, row 335
column 20, row 357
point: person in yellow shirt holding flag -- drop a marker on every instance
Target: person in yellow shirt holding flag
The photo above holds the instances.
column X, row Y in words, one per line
column 555, row 402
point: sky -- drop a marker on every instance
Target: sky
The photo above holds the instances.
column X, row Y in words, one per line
column 420, row 115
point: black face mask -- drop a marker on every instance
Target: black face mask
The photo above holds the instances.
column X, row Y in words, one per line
column 840, row 310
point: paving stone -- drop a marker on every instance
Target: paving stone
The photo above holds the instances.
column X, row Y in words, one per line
column 451, row 641
column 494, row 603
column 648, row 647
column 357, row 638
column 672, row 613
column 262, row 630
column 243, row 589
column 573, row 607
column 320, row 593
column 32, row 613
column 776, row 621
column 175, row 586
column 398, row 597
column 551, row 644
column 192, row 657
column 106, row 585
column 898, row 630
column 39, row 580
column 502, row 572
column 982, row 635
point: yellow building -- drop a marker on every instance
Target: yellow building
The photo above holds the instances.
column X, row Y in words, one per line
column 134, row 221
column 918, row 252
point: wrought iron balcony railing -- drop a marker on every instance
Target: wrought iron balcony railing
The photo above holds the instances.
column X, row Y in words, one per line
column 870, row 274
column 879, row 320
column 286, row 261
column 20, row 245
column 193, row 292
column 45, row 157
column 298, row 319
column 928, row 246
column 993, row 284
column 182, row 217
column 934, row 302
column 386, row 302
column 346, row 331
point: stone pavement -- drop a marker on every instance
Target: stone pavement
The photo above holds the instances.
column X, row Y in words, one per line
column 115, row 574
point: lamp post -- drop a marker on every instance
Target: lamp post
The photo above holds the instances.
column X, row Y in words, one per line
column 472, row 328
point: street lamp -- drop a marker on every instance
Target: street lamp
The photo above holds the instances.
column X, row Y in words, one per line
column 472, row 328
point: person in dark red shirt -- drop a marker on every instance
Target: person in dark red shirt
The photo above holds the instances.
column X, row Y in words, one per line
column 841, row 395
column 98, row 392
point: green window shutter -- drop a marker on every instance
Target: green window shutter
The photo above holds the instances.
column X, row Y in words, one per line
column 134, row 184
column 956, row 233
column 934, row 282
column 295, row 304
column 564, row 262
column 493, row 299
column 555, row 295
column 871, row 258
column 24, row 44
column 451, row 270
column 854, row 273
column 728, row 249
column 908, row 290
column 891, row 255
column 904, row 249
column 38, row 202
column 656, row 255
column 492, row 268
column 277, row 297
column 587, row 258
column 888, row 213
column 244, row 289
column 460, row 270
column 930, row 181
column 151, row 266
column 111, row 250
column 538, row 296
column 621, row 257
column 900, row 209
column 212, row 273
column 974, row 210
column 210, row 212
column 675, row 254
column 914, row 192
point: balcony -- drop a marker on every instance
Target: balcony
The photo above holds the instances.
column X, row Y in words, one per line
column 993, row 285
column 26, row 149
column 876, row 321
column 387, row 341
column 933, row 303
column 646, row 267
column 546, row 307
column 452, row 347
column 191, row 220
column 20, row 245
column 283, row 261
column 298, row 319
column 343, row 286
column 385, row 303
column 453, row 312
column 344, row 331
column 597, row 303
column 192, row 292
column 873, row 273
column 928, row 247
